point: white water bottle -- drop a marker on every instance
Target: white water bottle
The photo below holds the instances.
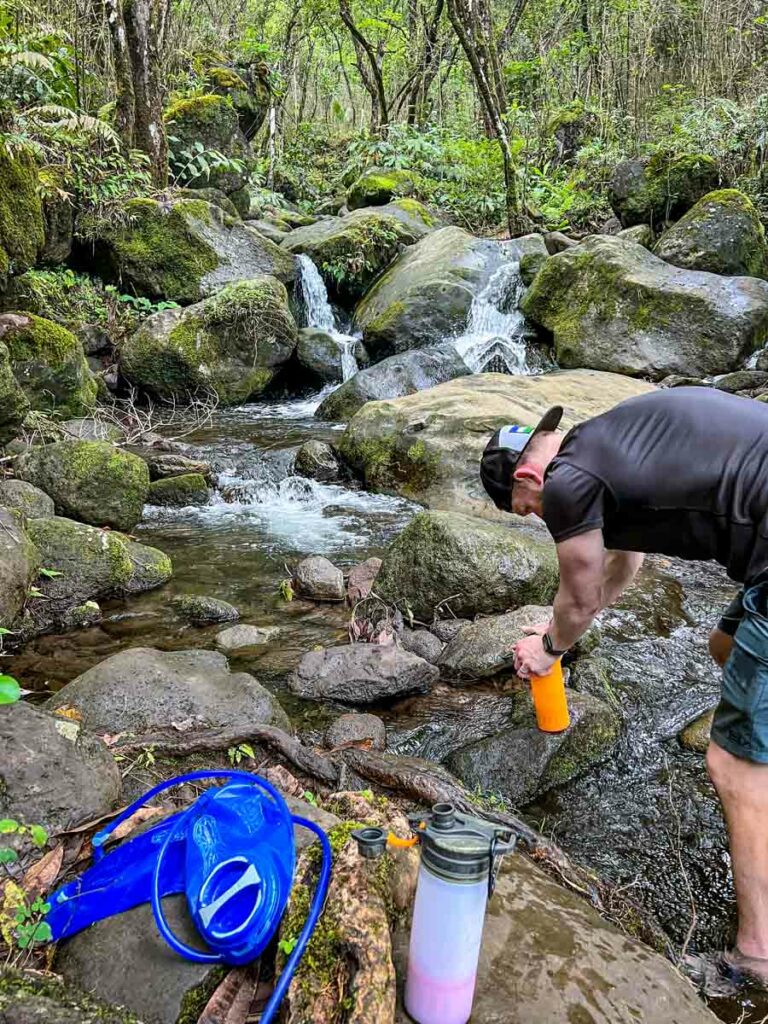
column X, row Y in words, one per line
column 455, row 880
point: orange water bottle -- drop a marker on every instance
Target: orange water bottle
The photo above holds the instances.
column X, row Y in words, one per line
column 550, row 701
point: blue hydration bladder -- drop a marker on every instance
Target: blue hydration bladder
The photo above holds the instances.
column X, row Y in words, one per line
column 232, row 853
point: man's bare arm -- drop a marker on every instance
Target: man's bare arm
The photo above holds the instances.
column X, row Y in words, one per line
column 621, row 567
column 580, row 595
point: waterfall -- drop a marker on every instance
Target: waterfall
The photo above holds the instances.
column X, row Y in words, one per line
column 320, row 314
column 494, row 338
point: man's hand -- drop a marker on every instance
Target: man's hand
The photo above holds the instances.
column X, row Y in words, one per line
column 530, row 657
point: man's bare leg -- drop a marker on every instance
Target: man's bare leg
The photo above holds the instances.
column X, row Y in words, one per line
column 743, row 790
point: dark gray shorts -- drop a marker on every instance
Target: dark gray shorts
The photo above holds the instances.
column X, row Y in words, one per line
column 740, row 724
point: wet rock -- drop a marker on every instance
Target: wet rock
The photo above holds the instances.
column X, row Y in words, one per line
column 612, row 305
column 82, row 616
column 94, row 339
column 662, row 187
column 426, row 295
column 319, row 355
column 183, row 251
column 302, row 836
column 20, row 561
column 268, row 229
column 318, row 460
column 31, row 998
column 422, row 643
column 361, row 579
column 318, row 579
column 378, row 186
column 86, row 429
column 90, row 481
column 428, row 445
column 399, row 375
column 232, row 344
column 475, row 566
column 167, row 690
column 179, row 491
column 722, row 234
column 53, row 772
column 171, row 990
column 353, row 728
column 238, row 638
column 361, row 674
column 486, row 647
column 537, row 931
column 519, row 762
column 363, row 243
column 532, row 253
column 201, row 610
column 695, row 736
column 20, row 496
column 168, row 464
column 742, row 380
column 446, row 629
column 14, row 404
column 643, row 234
column 150, row 567
column 677, row 380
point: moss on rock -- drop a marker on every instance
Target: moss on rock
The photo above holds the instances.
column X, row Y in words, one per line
column 22, row 231
column 91, row 481
column 49, row 364
column 379, row 186
column 14, row 404
column 25, row 998
column 662, row 187
column 179, row 491
column 211, row 120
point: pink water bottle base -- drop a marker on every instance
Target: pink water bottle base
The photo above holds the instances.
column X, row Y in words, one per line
column 438, row 1001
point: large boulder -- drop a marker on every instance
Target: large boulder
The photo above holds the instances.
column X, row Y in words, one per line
column 519, row 762
column 427, row 446
column 92, row 565
column 350, row 252
column 612, row 305
column 179, row 491
column 361, row 674
column 22, row 497
column 486, row 647
column 426, row 295
column 212, row 121
column 231, row 344
column 319, row 354
column 19, row 564
column 58, row 216
column 22, row 232
column 53, row 773
column 722, row 234
column 394, row 377
column 319, row 580
column 379, row 186
column 91, row 481
column 248, row 89
column 183, row 251
column 142, row 690
column 48, row 363
column 14, row 404
column 662, row 187
column 547, row 955
column 467, row 564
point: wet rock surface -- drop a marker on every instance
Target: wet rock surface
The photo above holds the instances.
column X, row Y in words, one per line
column 200, row 610
column 486, row 647
column 31, row 999
column 356, row 728
column 361, row 674
column 421, row 642
column 319, row 580
column 318, row 460
column 23, row 497
column 20, row 562
column 238, row 638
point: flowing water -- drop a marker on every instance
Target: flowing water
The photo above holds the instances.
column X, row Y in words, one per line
column 319, row 314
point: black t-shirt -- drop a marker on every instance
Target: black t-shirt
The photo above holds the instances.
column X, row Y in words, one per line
column 679, row 472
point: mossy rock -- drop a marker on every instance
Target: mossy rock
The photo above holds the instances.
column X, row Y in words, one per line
column 380, row 186
column 609, row 304
column 660, row 188
column 23, row 497
column 476, row 566
column 722, row 234
column 22, row 231
column 58, row 216
column 14, row 404
column 49, row 364
column 213, row 121
column 30, row 998
column 247, row 87
column 231, row 344
column 91, row 481
column 179, row 491
column 214, row 196
column 184, row 251
column 20, row 561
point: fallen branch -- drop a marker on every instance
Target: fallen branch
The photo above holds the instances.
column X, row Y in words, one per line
column 181, row 744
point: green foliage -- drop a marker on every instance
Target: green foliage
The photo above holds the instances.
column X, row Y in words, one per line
column 196, row 163
column 10, row 691
column 239, row 753
column 285, row 590
column 30, row 928
column 365, row 260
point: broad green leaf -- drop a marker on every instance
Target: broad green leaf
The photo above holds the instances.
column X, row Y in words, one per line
column 10, row 691
column 8, row 826
column 38, row 834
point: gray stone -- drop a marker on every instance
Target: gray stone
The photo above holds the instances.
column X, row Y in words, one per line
column 238, row 638
column 87, row 429
column 53, row 773
column 142, row 690
column 20, row 496
column 320, row 580
column 302, row 836
column 354, row 728
column 422, row 643
column 475, row 566
column 163, row 465
column 643, row 234
column 269, row 230
column 742, row 380
column 394, row 377
column 319, row 355
column 124, row 960
column 446, row 629
column 94, row 339
column 361, row 674
column 612, row 305
column 201, row 610
column 33, row 998
column 317, row 460
column 182, row 491
column 14, row 404
column 653, row 190
column 486, row 647
column 532, row 254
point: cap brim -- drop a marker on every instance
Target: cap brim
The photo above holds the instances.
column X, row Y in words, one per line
column 549, row 421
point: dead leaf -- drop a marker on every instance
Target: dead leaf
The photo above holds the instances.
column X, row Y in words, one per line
column 364, row 744
column 137, row 818
column 283, row 779
column 111, row 738
column 67, row 711
column 40, row 877
column 231, row 1001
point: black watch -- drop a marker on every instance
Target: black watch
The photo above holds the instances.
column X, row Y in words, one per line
column 546, row 642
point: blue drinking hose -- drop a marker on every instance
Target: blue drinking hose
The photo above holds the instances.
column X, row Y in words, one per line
column 321, row 889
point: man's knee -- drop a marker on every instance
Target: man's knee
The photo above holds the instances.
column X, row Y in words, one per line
column 720, row 645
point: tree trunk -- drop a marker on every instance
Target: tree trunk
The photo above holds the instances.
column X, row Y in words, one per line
column 363, row 46
column 146, row 23
column 125, row 104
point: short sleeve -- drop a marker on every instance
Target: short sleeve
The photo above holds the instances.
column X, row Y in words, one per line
column 573, row 502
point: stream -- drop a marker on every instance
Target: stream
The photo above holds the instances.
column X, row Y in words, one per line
column 646, row 819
